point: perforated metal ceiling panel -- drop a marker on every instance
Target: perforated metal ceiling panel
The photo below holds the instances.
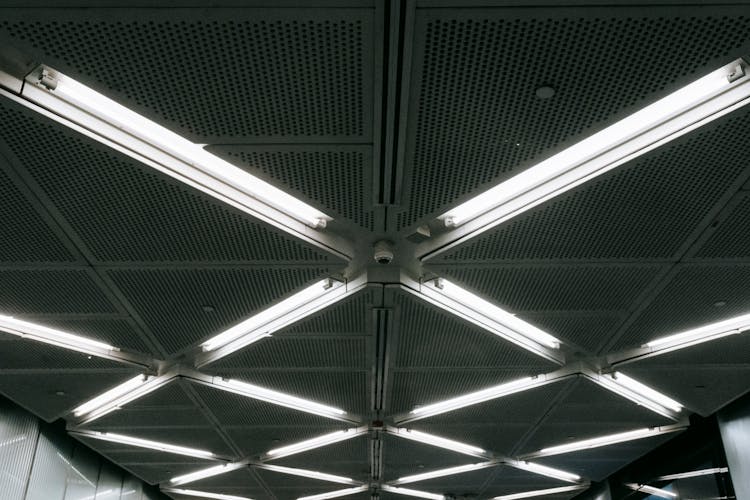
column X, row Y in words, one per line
column 689, row 300
column 642, row 211
column 587, row 411
column 38, row 391
column 124, row 211
column 599, row 463
column 477, row 120
column 338, row 179
column 220, row 76
column 508, row 480
column 184, row 306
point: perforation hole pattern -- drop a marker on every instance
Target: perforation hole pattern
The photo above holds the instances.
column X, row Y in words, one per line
column 125, row 212
column 211, row 79
column 645, row 210
column 335, row 180
column 24, row 236
column 478, row 119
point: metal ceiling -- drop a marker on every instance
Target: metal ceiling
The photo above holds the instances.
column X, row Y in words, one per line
column 383, row 115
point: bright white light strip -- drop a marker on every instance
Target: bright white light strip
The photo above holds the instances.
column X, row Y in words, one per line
column 277, row 398
column 278, row 316
column 596, row 442
column 440, row 442
column 479, row 396
column 147, row 443
column 676, row 114
column 450, row 471
column 651, row 490
column 119, row 396
column 205, row 473
column 695, row 473
column 177, row 156
column 412, row 493
column 316, row 442
column 702, row 334
column 336, row 494
column 307, row 473
column 203, row 494
column 485, row 314
column 543, row 470
column 40, row 333
column 639, row 393
column 540, row 493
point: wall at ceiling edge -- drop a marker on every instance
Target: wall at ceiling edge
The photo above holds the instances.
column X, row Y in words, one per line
column 39, row 461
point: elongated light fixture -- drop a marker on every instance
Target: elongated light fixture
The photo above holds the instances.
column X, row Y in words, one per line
column 657, row 492
column 474, row 309
column 203, row 494
column 316, row 442
column 336, row 494
column 690, row 107
column 277, row 398
column 412, row 493
column 694, row 473
column 300, row 305
column 307, row 473
column 544, row 470
column 32, row 331
column 702, row 334
column 119, row 396
column 450, row 471
column 206, row 473
column 541, row 493
column 144, row 139
column 145, row 443
column 440, row 442
column 610, row 439
column 639, row 393
column 477, row 397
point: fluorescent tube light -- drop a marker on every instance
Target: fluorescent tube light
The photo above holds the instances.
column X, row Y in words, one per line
column 206, row 473
column 336, row 494
column 702, row 334
column 119, row 396
column 203, row 494
column 621, row 437
column 146, row 443
column 276, row 317
column 32, row 331
column 450, row 471
column 639, row 393
column 688, row 108
column 473, row 309
column 440, row 442
column 478, row 397
column 316, row 442
column 541, row 493
column 277, row 398
column 412, row 493
column 307, row 473
column 658, row 492
column 543, row 470
column 169, row 152
column 695, row 473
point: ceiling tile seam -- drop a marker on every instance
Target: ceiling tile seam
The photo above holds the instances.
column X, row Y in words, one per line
column 690, row 246
column 262, row 483
column 565, row 391
column 209, row 415
column 716, row 224
column 38, row 203
column 488, row 482
column 108, row 289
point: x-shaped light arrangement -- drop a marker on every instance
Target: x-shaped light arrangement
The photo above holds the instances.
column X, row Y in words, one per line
column 72, row 104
